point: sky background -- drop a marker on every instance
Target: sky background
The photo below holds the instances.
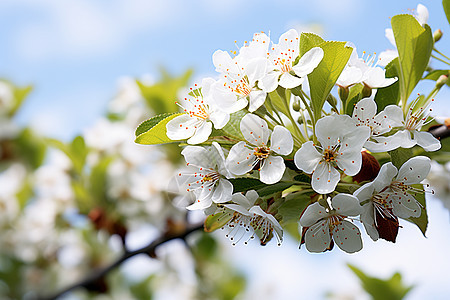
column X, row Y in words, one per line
column 74, row 51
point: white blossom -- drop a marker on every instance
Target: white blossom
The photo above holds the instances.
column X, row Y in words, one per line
column 324, row 224
column 245, row 156
column 340, row 147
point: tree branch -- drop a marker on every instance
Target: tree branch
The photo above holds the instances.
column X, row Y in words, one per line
column 149, row 249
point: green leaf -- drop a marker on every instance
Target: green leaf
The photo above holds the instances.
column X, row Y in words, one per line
column 150, row 123
column 29, row 147
column 324, row 77
column 216, row 221
column 390, row 94
column 98, row 181
column 293, row 207
column 390, row 289
column 414, row 45
column 156, row 133
column 400, row 155
column 161, row 97
column 354, row 96
column 309, row 41
column 20, row 94
column 274, row 188
column 446, row 5
column 422, row 221
column 232, row 129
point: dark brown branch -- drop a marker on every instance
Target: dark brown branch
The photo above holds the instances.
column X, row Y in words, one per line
column 98, row 275
column 440, row 131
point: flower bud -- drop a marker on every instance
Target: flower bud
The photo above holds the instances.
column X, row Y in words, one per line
column 437, row 35
column 296, row 104
column 332, row 100
column 441, row 81
column 343, row 93
column 369, row 168
column 366, row 91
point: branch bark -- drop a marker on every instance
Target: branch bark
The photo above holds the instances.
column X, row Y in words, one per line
column 98, row 275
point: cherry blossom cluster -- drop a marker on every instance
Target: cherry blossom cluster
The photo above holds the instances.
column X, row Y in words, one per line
column 236, row 133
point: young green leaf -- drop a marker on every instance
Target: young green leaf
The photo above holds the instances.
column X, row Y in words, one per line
column 153, row 131
column 308, row 41
column 293, row 207
column 325, row 75
column 414, row 44
column 216, row 221
column 390, row 94
column 446, row 5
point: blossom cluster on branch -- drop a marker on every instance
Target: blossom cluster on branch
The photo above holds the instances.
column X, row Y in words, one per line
column 266, row 143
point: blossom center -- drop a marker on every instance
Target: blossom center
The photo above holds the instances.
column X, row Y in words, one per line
column 262, row 152
column 329, row 155
column 211, row 177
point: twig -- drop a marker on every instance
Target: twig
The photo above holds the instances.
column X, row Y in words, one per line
column 98, row 275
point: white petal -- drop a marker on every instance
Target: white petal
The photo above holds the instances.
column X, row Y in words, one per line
column 414, row 170
column 242, row 200
column 394, row 114
column 289, row 81
column 201, row 133
column 240, row 209
column 317, row 237
column 255, row 130
column 219, row 118
column 269, row 82
column 252, row 196
column 365, row 110
column 384, row 177
column 346, row 205
column 422, row 14
column 181, row 127
column 218, row 158
column 349, row 76
column 389, row 34
column 347, row 237
column 355, row 139
column 325, row 178
column 281, row 140
column 365, row 192
column 272, row 170
column 257, row 98
column 350, row 161
column 197, row 156
column 256, row 69
column 376, row 78
column 386, row 57
column 223, row 191
column 330, row 129
column 405, row 206
column 367, row 218
column 312, row 214
column 202, row 200
column 308, row 62
column 427, row 141
column 223, row 61
column 226, row 100
column 240, row 159
column 307, row 158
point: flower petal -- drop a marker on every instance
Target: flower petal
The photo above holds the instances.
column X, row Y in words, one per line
column 427, row 141
column 414, row 170
column 201, row 133
column 281, row 140
column 256, row 69
column 330, row 129
column 197, row 156
column 365, row 192
column 347, row 237
column 308, row 62
column 307, row 157
column 269, row 82
column 224, row 63
column 289, row 81
column 257, row 99
column 350, row 161
column 219, row 118
column 405, row 206
column 365, row 110
column 325, row 178
column 272, row 170
column 368, row 221
column 252, row 196
column 346, row 205
column 181, row 127
column 313, row 213
column 226, row 100
column 240, row 199
column 384, row 178
column 255, row 130
column 317, row 237
column 240, row 159
column 222, row 192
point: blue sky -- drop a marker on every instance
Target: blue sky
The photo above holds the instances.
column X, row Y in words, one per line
column 73, row 52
